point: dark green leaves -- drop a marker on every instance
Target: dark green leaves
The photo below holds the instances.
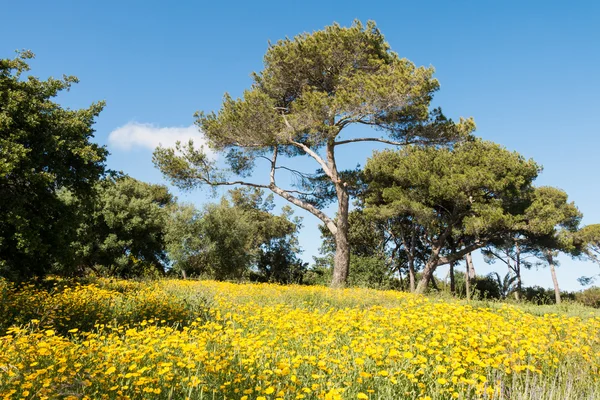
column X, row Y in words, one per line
column 44, row 148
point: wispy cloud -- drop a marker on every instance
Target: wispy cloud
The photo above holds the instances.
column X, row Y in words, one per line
column 137, row 135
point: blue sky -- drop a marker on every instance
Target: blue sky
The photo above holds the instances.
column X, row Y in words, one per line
column 526, row 71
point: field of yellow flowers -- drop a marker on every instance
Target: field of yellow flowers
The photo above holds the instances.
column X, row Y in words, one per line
column 172, row 339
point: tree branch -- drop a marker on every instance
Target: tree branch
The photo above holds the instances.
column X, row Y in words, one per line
column 369, row 140
column 307, row 206
column 498, row 257
column 273, row 165
column 314, row 155
column 381, row 140
column 458, row 255
column 306, row 149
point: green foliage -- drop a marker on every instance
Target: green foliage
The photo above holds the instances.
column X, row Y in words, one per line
column 456, row 200
column 550, row 221
column 539, row 295
column 479, row 184
column 44, row 148
column 235, row 239
column 229, row 234
column 588, row 240
column 311, row 88
column 278, row 262
column 184, row 239
column 481, row 287
column 589, row 297
column 371, row 272
column 506, row 285
column 367, row 236
column 124, row 233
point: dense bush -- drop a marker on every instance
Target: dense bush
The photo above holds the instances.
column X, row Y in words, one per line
column 589, row 297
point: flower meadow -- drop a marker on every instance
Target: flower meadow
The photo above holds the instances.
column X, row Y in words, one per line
column 174, row 339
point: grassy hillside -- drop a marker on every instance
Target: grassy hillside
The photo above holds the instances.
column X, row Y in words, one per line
column 211, row 340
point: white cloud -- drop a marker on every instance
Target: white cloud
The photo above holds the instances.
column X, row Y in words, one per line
column 136, row 135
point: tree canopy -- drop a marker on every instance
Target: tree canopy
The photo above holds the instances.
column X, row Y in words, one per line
column 234, row 238
column 124, row 231
column 457, row 200
column 44, row 148
column 311, row 88
column 588, row 238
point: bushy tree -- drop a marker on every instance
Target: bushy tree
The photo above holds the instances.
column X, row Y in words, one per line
column 588, row 240
column 390, row 240
column 236, row 237
column 311, row 89
column 124, row 233
column 184, row 239
column 551, row 223
column 44, row 149
column 458, row 200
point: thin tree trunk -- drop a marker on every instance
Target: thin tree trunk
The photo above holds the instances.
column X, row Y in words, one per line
column 470, row 266
column 183, row 274
column 409, row 249
column 470, row 274
column 452, row 281
column 518, row 271
column 401, row 279
column 554, row 278
column 411, row 273
column 468, row 284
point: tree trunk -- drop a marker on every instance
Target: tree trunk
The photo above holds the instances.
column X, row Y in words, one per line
column 554, row 278
column 341, row 265
column 432, row 263
column 470, row 266
column 427, row 275
column 183, row 274
column 470, row 274
column 410, row 254
column 411, row 274
column 468, row 284
column 518, row 271
column 452, row 281
column 401, row 278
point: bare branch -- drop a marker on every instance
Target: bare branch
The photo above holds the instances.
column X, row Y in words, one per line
column 273, row 164
column 307, row 206
column 498, row 256
column 286, row 194
column 296, row 172
column 314, row 155
column 374, row 140
column 460, row 254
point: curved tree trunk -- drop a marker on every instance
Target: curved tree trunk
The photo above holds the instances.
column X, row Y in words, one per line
column 518, row 271
column 554, row 278
column 411, row 274
column 432, row 263
column 452, row 280
column 470, row 274
column 427, row 276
